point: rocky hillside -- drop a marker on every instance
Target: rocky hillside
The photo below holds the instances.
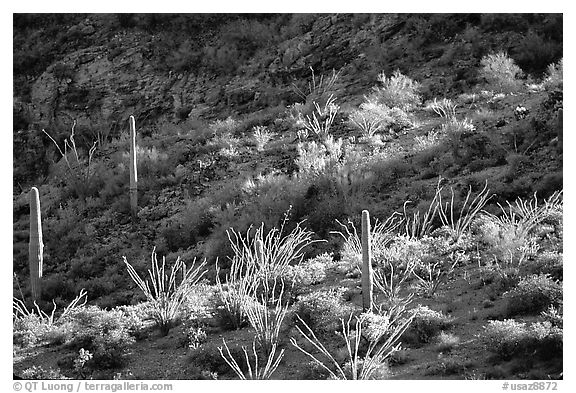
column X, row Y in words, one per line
column 446, row 128
column 183, row 76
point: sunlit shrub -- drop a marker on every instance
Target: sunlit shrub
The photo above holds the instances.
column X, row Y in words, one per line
column 106, row 334
column 322, row 310
column 315, row 159
column 510, row 338
column 554, row 76
column 39, row 373
column 398, row 91
column 533, row 294
column 426, row 325
column 501, row 72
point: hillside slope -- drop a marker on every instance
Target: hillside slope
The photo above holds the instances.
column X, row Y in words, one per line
column 221, row 103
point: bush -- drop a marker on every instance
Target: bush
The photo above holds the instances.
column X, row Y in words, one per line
column 31, row 330
column 397, row 91
column 38, row 373
column 322, row 310
column 207, row 358
column 547, row 262
column 151, row 163
column 554, row 76
column 554, row 315
column 311, row 272
column 195, row 336
column 373, row 117
column 533, row 294
column 315, row 159
column 447, row 341
column 426, row 325
column 509, row 339
column 106, row 334
column 501, row 72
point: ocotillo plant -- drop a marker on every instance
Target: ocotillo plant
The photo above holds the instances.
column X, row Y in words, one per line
column 133, row 171
column 367, row 285
column 260, row 251
column 35, row 257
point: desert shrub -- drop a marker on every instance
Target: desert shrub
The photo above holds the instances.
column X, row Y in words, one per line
column 446, row 342
column 199, row 302
column 554, row 315
column 195, row 336
column 315, row 159
column 34, row 325
column 510, row 338
column 207, row 357
column 368, row 121
column 322, row 310
column 301, row 278
column 533, row 294
column 444, row 108
column 455, row 126
column 134, row 316
column 39, row 373
column 374, row 117
column 226, row 144
column 31, row 330
column 553, row 78
column 428, row 141
column 400, row 119
column 151, row 162
column 426, row 325
column 547, row 262
column 106, row 334
column 511, row 236
column 398, row 91
column 226, row 126
column 501, row 72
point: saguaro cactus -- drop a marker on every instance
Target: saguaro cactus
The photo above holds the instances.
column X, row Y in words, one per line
column 559, row 129
column 367, row 284
column 133, row 171
column 35, row 257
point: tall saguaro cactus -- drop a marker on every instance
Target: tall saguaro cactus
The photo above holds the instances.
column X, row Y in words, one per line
column 559, row 129
column 133, row 171
column 367, row 284
column 35, row 247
